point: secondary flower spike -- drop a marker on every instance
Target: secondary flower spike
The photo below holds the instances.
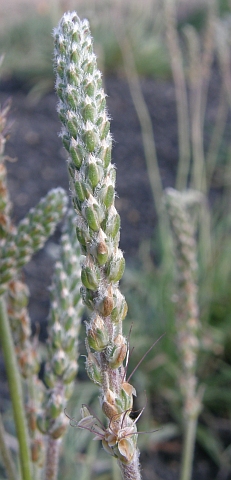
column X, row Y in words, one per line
column 86, row 136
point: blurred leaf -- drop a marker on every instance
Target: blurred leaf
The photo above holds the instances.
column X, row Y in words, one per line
column 210, row 444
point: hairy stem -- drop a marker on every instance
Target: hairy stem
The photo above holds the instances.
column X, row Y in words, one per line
column 15, row 392
column 52, row 459
column 131, row 471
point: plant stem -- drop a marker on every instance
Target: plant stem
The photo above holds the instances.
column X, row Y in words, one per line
column 198, row 180
column 6, row 454
column 147, row 138
column 176, row 60
column 217, row 135
column 131, row 471
column 145, row 123
column 52, row 458
column 188, row 447
column 15, row 388
column 207, row 56
column 31, row 392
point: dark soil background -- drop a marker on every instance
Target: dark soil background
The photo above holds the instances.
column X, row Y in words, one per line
column 41, row 165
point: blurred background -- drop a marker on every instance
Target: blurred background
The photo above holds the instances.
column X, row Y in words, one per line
column 26, row 33
column 167, row 73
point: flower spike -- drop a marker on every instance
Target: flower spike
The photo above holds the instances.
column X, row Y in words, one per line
column 87, row 139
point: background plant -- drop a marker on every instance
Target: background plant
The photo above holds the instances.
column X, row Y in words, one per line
column 36, row 409
column 150, row 298
column 204, row 44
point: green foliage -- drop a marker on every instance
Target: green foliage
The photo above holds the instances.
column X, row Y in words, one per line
column 29, row 46
column 224, row 7
column 29, row 50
